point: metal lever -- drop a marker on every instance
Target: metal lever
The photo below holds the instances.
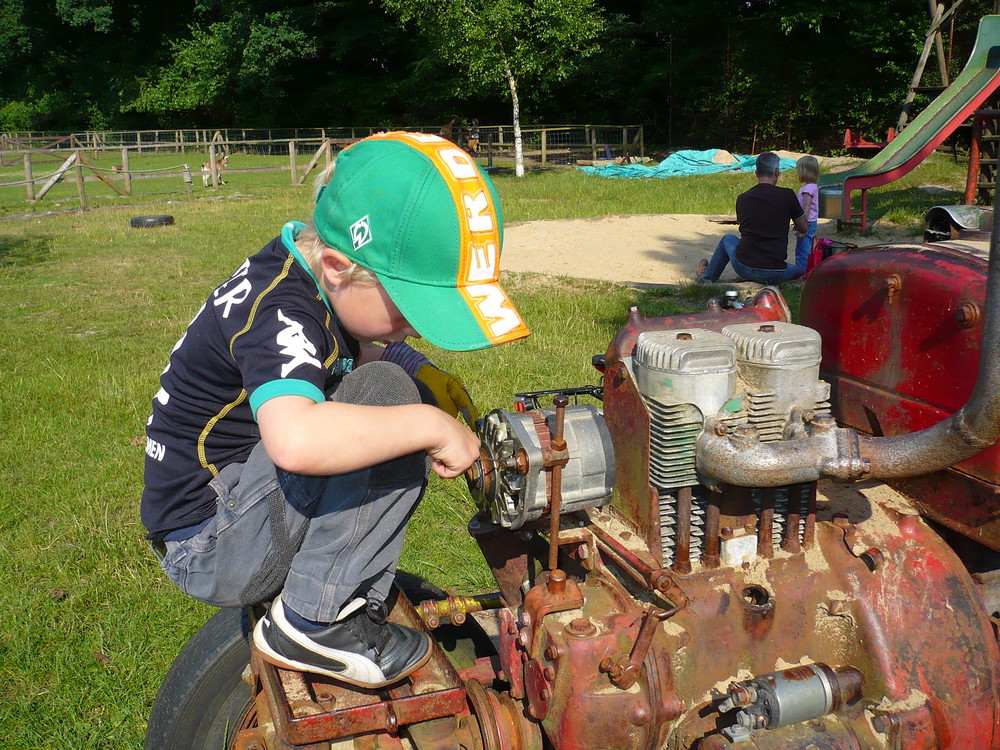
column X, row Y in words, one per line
column 624, row 671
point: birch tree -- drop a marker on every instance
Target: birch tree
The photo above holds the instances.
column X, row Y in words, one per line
column 507, row 44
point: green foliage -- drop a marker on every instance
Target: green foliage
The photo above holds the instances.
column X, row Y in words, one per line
column 736, row 74
column 494, row 41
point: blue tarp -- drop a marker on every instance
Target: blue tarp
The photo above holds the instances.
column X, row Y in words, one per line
column 681, row 163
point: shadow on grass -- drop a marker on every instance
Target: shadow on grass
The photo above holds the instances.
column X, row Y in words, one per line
column 23, row 251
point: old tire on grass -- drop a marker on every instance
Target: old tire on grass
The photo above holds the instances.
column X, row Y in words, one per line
column 151, row 221
column 203, row 700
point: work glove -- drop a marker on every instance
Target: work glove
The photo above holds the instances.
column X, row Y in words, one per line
column 448, row 390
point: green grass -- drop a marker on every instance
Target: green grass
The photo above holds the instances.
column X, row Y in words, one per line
column 89, row 311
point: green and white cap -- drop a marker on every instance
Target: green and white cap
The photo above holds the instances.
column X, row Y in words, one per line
column 421, row 214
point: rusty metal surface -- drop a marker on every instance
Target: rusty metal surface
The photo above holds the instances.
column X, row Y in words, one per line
column 307, row 708
column 877, row 591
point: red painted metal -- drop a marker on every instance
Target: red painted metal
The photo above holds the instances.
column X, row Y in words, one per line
column 901, row 329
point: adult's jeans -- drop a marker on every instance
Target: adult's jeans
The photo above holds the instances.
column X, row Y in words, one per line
column 725, row 254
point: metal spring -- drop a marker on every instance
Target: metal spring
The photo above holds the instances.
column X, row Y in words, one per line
column 781, row 503
column 668, row 526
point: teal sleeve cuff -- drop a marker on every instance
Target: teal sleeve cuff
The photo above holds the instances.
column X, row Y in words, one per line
column 288, row 387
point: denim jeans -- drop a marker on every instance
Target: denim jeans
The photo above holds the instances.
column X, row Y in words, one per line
column 725, row 254
column 803, row 246
column 351, row 545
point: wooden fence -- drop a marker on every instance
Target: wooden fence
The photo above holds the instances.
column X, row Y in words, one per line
column 542, row 147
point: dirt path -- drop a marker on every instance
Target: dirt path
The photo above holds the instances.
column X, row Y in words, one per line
column 636, row 250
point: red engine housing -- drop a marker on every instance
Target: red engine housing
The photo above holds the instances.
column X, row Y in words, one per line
column 901, row 327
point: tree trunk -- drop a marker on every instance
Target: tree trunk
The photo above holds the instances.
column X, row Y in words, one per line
column 518, row 145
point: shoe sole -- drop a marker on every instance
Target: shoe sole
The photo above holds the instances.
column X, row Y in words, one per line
column 273, row 657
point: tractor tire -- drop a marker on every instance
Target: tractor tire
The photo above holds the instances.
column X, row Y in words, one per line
column 203, row 700
column 139, row 222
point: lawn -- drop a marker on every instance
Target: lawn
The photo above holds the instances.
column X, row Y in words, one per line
column 89, row 311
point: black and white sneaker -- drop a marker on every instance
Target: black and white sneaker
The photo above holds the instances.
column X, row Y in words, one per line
column 360, row 648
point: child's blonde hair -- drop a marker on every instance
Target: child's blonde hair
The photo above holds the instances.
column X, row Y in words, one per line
column 311, row 245
column 807, row 168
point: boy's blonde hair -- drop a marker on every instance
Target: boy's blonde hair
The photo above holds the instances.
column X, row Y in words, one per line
column 311, row 245
column 807, row 169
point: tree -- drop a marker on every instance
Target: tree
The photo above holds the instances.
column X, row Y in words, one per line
column 506, row 43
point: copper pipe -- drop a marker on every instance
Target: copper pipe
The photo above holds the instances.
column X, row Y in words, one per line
column 792, row 520
column 682, row 539
column 765, row 524
column 558, row 443
column 710, row 558
column 809, row 533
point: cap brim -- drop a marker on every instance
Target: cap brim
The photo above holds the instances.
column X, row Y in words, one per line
column 479, row 316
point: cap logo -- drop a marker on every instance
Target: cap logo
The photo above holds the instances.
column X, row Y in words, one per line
column 361, row 233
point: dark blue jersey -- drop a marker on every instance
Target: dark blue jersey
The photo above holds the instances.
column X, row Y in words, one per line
column 265, row 332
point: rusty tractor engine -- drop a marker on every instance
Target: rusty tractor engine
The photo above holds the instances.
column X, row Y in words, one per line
column 720, row 550
column 675, row 610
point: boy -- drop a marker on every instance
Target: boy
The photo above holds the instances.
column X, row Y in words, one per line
column 287, row 448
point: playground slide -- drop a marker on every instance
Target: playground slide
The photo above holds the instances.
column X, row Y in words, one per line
column 932, row 126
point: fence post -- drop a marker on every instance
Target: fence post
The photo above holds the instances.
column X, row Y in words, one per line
column 188, row 182
column 624, row 142
column 79, row 182
column 211, row 165
column 593, row 144
column 291, row 162
column 327, row 150
column 545, row 139
column 28, row 176
column 642, row 141
column 126, row 170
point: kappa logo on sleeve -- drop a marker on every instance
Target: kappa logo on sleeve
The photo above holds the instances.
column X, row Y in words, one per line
column 295, row 345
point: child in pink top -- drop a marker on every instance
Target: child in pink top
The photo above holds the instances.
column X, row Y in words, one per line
column 807, row 169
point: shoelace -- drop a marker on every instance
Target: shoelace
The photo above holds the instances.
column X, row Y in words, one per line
column 370, row 626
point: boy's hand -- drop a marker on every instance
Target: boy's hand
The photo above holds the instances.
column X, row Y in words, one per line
column 450, row 393
column 455, row 451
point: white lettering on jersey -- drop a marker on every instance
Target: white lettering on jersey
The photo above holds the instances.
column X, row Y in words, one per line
column 489, row 301
column 483, row 262
column 155, row 450
column 243, row 270
column 477, row 211
column 294, row 344
column 237, row 296
column 162, row 396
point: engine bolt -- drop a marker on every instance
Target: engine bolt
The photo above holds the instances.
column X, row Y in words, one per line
column 720, row 429
column 968, row 314
column 549, row 673
column 872, row 558
column 552, row 653
column 581, row 626
column 840, row 520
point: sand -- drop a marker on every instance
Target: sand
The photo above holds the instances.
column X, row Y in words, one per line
column 641, row 250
